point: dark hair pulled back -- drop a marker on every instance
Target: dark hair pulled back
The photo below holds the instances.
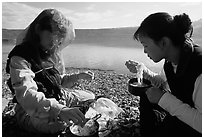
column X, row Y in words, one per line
column 161, row 24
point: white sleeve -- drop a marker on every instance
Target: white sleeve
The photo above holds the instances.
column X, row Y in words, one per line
column 33, row 102
column 187, row 114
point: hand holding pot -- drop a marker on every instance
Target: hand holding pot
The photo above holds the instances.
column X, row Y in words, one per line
column 154, row 94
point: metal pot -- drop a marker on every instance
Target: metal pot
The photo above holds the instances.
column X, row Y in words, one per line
column 138, row 90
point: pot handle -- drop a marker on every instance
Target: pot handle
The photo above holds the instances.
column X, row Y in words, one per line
column 96, row 117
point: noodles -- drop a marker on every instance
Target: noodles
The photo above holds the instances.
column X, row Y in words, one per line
column 137, row 84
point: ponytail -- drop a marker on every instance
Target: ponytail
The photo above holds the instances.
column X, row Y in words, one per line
column 161, row 24
column 184, row 25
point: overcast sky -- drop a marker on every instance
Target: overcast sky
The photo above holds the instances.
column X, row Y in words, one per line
column 18, row 15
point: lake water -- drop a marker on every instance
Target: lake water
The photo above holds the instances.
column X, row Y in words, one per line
column 100, row 57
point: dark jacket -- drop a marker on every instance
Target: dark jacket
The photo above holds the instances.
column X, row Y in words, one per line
column 47, row 80
column 181, row 85
column 182, row 82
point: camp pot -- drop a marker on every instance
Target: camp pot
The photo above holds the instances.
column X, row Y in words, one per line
column 138, row 90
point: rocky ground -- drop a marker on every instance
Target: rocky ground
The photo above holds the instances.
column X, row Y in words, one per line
column 106, row 83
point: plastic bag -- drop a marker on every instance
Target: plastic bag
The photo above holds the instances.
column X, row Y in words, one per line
column 108, row 110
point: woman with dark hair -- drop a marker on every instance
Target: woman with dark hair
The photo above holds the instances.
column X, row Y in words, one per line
column 45, row 100
column 169, row 38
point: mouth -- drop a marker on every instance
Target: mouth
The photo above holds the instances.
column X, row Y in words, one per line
column 149, row 56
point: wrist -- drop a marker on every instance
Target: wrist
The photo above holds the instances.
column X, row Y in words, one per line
column 164, row 91
column 163, row 97
column 146, row 74
column 59, row 114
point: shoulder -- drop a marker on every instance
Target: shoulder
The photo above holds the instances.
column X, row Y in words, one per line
column 19, row 50
column 19, row 62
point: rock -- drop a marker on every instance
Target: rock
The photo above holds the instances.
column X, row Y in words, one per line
column 4, row 103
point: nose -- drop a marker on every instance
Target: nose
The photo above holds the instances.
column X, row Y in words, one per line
column 145, row 51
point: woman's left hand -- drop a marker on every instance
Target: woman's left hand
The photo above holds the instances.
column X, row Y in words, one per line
column 88, row 75
column 154, row 94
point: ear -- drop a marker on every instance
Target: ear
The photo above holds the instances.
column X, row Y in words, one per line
column 165, row 41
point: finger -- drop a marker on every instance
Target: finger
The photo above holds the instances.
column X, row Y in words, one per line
column 69, row 123
column 89, row 72
column 79, row 120
column 80, row 115
column 76, row 119
column 127, row 63
column 130, row 62
column 73, row 120
column 92, row 76
column 133, row 62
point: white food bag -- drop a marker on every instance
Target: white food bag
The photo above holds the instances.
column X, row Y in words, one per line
column 108, row 110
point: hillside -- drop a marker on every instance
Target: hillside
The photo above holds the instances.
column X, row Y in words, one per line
column 106, row 37
column 9, row 35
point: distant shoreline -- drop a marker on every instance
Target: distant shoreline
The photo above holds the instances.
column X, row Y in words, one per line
column 113, row 37
column 10, row 41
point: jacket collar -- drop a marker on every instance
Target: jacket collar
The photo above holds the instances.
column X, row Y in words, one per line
column 185, row 56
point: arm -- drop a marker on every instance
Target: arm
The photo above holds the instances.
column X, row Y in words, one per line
column 187, row 114
column 32, row 101
column 157, row 80
column 35, row 103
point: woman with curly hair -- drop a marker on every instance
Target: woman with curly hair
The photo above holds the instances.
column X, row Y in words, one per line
column 45, row 102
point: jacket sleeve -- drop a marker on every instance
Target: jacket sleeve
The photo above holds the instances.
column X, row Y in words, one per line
column 33, row 102
column 187, row 114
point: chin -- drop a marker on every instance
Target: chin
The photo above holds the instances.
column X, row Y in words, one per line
column 157, row 61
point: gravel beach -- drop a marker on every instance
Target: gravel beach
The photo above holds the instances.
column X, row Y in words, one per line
column 108, row 84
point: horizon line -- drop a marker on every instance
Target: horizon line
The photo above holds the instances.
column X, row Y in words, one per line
column 99, row 28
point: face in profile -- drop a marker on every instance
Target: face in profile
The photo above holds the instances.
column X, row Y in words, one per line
column 53, row 40
column 48, row 40
column 152, row 49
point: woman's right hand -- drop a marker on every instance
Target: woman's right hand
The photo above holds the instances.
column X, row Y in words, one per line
column 72, row 115
column 134, row 66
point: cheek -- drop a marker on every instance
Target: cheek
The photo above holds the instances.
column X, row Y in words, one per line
column 46, row 43
column 157, row 56
column 152, row 53
column 148, row 51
